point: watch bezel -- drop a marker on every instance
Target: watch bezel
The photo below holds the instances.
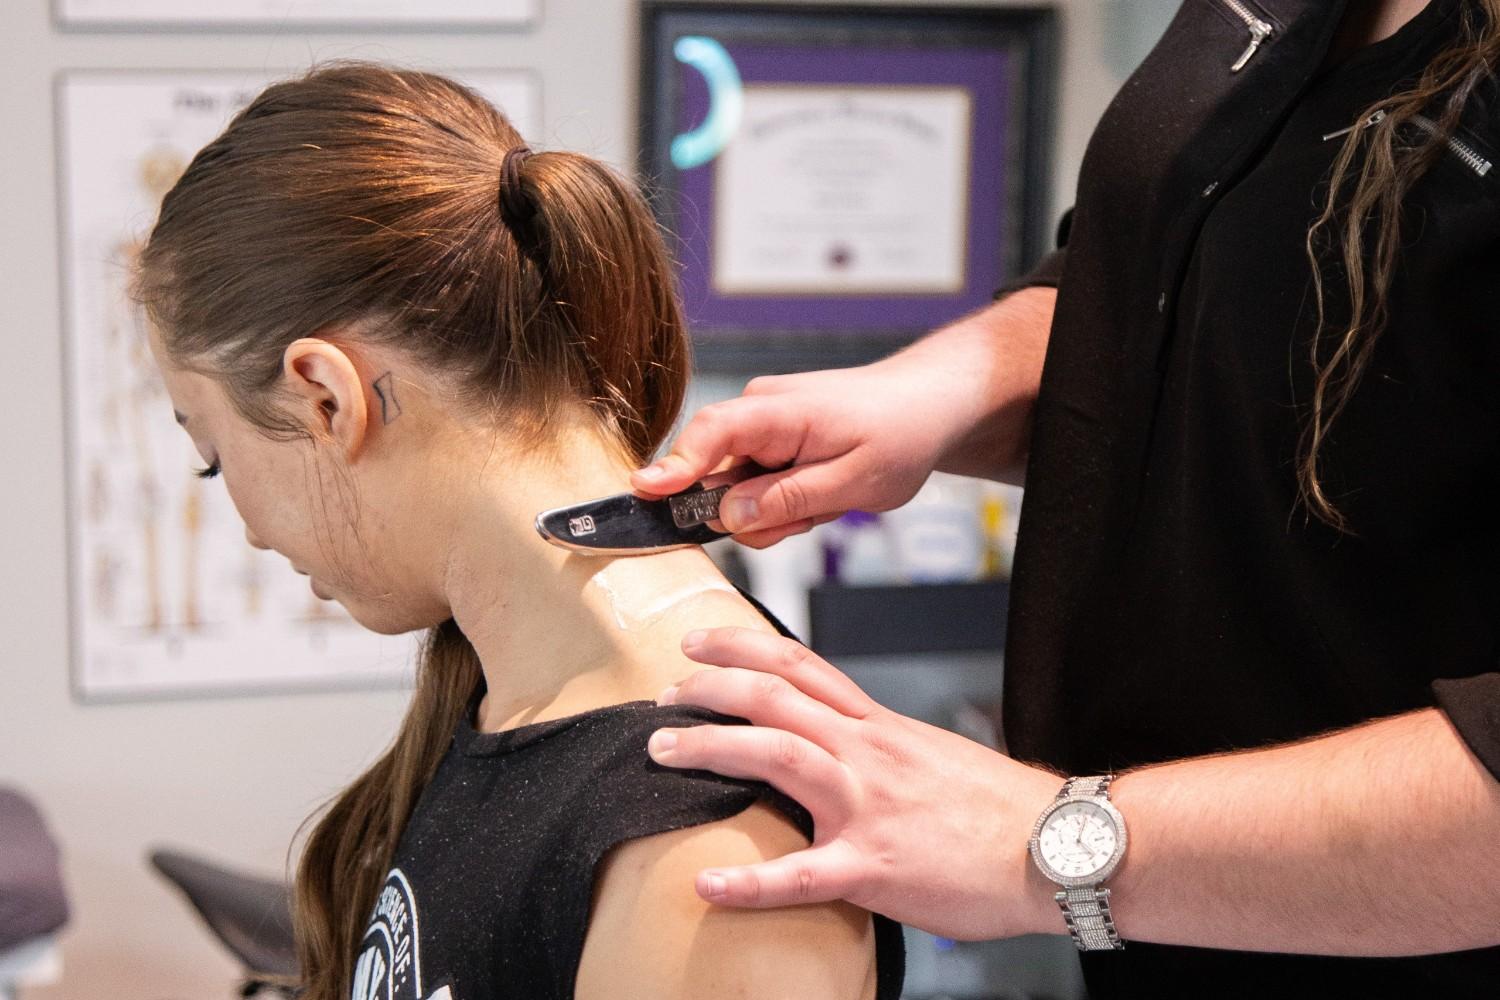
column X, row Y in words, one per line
column 1122, row 838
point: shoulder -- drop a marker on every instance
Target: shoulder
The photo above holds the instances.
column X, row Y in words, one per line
column 633, row 796
column 651, row 935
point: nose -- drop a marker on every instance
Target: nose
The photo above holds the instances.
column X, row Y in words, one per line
column 256, row 542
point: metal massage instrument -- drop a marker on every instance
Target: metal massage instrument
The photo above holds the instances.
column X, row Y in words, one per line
column 625, row 524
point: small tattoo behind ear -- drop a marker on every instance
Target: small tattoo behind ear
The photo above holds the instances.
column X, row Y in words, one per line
column 385, row 388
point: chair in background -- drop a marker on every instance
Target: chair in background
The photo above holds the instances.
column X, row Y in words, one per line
column 251, row 916
column 33, row 904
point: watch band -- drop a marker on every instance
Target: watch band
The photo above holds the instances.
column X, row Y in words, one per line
column 1085, row 909
column 1096, row 785
column 1086, row 912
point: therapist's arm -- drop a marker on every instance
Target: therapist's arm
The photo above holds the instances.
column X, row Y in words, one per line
column 1383, row 839
column 995, row 356
column 1380, row 840
column 866, row 438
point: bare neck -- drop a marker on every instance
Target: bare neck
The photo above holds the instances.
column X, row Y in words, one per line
column 559, row 632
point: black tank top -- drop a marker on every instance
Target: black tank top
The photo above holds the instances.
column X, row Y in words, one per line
column 490, row 887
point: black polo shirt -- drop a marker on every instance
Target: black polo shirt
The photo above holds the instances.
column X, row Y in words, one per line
column 1170, row 599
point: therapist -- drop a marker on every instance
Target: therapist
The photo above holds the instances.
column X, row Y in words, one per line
column 1255, row 615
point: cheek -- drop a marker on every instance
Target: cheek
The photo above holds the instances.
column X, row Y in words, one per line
column 270, row 484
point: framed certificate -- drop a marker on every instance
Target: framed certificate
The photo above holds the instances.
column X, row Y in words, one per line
column 165, row 596
column 302, row 13
column 839, row 180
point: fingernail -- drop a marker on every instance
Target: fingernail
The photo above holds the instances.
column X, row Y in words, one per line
column 714, row 882
column 694, row 639
column 661, row 744
column 668, row 697
column 740, row 514
column 653, row 471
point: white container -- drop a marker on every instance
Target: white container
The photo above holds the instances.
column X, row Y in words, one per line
column 938, row 537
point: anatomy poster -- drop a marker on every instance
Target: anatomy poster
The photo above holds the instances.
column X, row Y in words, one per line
column 166, row 595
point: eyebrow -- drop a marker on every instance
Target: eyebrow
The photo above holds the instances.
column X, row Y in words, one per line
column 181, row 417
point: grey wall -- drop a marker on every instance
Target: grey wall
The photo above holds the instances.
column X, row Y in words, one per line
column 235, row 777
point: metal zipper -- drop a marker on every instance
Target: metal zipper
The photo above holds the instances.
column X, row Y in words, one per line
column 1259, row 32
column 1467, row 154
column 1373, row 119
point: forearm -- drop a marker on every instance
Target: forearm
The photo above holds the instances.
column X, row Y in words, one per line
column 1380, row 840
column 993, row 360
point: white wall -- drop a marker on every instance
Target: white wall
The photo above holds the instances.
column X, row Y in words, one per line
column 234, row 777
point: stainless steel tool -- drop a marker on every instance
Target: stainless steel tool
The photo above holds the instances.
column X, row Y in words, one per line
column 625, row 524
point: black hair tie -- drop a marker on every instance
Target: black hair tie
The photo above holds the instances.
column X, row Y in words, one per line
column 517, row 208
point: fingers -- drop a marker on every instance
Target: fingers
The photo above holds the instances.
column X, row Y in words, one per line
column 764, row 538
column 798, row 768
column 815, row 875
column 710, row 479
column 770, row 653
column 765, row 699
column 802, row 493
column 762, row 428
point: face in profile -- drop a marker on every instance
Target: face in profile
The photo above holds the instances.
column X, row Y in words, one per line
column 298, row 498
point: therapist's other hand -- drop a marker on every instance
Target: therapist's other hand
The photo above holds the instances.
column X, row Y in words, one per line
column 911, row 821
column 862, row 438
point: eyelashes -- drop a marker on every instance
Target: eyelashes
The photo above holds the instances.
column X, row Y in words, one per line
column 208, row 473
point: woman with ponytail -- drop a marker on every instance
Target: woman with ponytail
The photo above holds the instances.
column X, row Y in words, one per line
column 397, row 334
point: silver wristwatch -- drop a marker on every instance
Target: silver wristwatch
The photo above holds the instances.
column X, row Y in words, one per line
column 1078, row 842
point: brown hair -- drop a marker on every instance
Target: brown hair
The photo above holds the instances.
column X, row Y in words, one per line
column 1363, row 226
column 361, row 196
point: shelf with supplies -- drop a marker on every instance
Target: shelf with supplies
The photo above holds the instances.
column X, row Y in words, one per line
column 894, row 619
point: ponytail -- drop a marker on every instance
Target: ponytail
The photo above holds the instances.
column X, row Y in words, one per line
column 584, row 237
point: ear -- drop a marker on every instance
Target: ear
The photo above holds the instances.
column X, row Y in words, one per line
column 324, row 376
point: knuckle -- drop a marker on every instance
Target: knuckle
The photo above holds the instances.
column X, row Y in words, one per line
column 766, row 688
column 792, row 656
column 805, row 884
column 787, row 753
column 794, row 499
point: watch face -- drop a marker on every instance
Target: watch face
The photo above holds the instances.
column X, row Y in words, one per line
column 1078, row 840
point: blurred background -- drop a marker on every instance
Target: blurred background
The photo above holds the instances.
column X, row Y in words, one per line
column 109, row 754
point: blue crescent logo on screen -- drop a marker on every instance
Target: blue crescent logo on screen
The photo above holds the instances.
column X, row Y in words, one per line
column 726, row 101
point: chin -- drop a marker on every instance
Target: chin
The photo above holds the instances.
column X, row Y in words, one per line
column 387, row 620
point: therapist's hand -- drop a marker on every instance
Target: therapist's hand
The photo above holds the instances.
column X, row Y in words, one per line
column 862, row 438
column 911, row 821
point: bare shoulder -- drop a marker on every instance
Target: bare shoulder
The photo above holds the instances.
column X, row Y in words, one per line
column 651, row 936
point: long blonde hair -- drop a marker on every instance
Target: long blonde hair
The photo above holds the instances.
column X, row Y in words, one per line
column 362, row 194
column 1361, row 223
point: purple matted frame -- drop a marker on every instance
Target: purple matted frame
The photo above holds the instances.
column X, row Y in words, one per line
column 1002, row 57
